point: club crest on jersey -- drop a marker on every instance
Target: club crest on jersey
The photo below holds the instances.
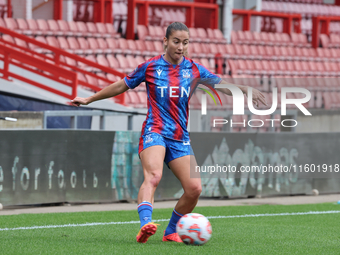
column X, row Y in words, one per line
column 159, row 71
column 186, row 74
column 148, row 139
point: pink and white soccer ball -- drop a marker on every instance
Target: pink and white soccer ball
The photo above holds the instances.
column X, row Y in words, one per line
column 194, row 229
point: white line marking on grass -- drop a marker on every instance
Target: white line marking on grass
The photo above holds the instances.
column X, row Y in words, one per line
column 161, row 220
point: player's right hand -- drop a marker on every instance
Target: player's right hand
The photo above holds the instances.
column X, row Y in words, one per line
column 79, row 101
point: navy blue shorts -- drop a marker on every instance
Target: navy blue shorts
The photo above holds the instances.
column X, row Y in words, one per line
column 173, row 148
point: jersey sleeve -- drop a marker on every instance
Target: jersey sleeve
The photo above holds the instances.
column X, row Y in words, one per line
column 207, row 77
column 137, row 76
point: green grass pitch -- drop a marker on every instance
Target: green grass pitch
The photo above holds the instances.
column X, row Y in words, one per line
column 291, row 234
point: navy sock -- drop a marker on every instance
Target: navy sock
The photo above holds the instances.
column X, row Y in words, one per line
column 145, row 212
column 172, row 223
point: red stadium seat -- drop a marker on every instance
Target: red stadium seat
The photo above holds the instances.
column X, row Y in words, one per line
column 239, row 51
column 196, row 51
column 278, row 40
column 122, row 44
column 250, row 68
column 43, row 26
column 69, row 61
column 142, row 33
column 282, row 67
column 101, row 29
column 133, row 47
column 230, row 50
column 284, row 53
column 113, row 44
column 142, row 48
column 267, row 68
column 222, row 49
column 101, row 83
column 149, row 46
column 158, row 47
column 52, row 41
column 53, row 26
column 213, row 48
column 152, row 35
column 74, row 45
column 265, row 38
column 82, row 28
column 142, row 95
column 324, row 40
column 286, row 40
column 81, row 77
column 133, row 63
column 20, row 42
column 320, row 68
column 159, row 33
column 193, row 35
column 63, row 26
column 91, row 28
column 278, row 53
column 37, row 48
column 101, row 60
column 93, row 44
column 270, row 52
column 334, row 40
column 205, row 63
column 233, row 37
column 113, row 63
column 298, row 68
column 202, row 34
column 271, row 39
column 32, row 25
column 219, row 36
column 11, row 24
column 131, row 98
column 298, row 53
column 23, row 27
column 211, row 35
column 74, row 28
column 92, row 80
column 103, row 45
column 2, row 22
column 111, row 30
column 241, row 38
column 84, row 45
column 249, row 38
column 139, row 60
column 312, row 69
column 257, row 39
column 328, row 54
column 206, row 50
column 86, row 67
column 63, row 44
column 112, row 78
column 8, row 38
column 124, row 64
column 262, row 52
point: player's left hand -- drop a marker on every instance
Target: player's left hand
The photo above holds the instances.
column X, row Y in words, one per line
column 258, row 97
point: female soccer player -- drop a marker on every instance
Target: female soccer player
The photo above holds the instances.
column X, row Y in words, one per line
column 164, row 132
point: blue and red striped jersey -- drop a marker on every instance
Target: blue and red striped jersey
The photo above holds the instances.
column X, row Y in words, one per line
column 168, row 90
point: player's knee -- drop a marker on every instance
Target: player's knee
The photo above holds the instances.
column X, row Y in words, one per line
column 194, row 191
column 154, row 179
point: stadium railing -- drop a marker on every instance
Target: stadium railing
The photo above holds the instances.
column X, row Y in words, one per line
column 324, row 29
column 27, row 55
column 25, row 61
column 143, row 7
column 290, row 20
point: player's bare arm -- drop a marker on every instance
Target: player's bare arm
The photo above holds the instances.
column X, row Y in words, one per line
column 110, row 91
column 258, row 97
